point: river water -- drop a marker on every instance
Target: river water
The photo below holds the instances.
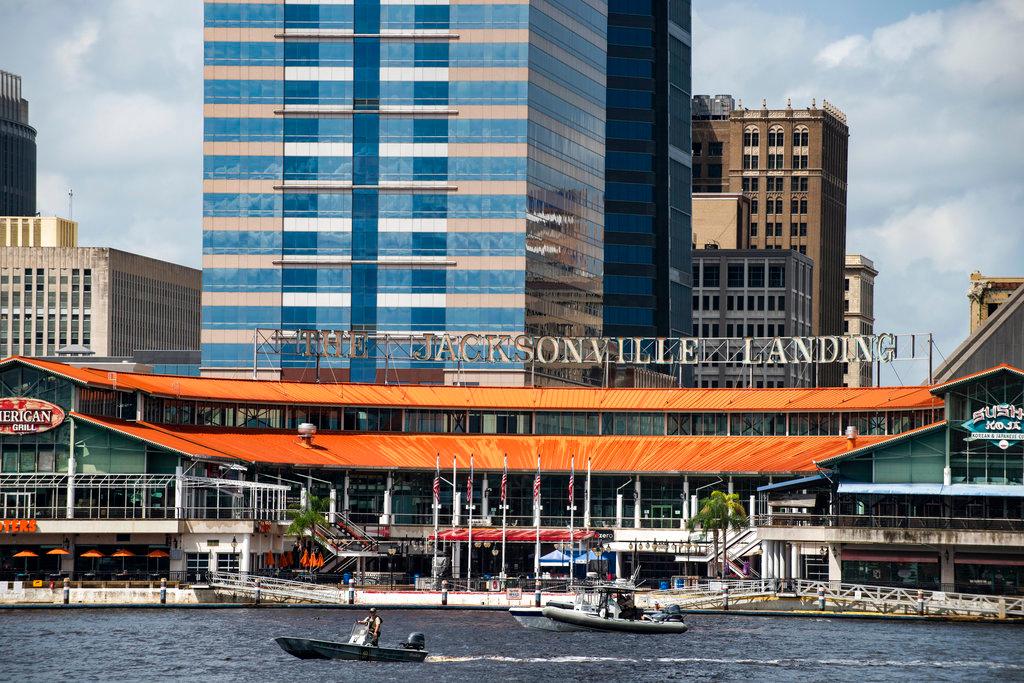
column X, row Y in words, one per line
column 236, row 645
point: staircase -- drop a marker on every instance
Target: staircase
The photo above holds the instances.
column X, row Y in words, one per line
column 738, row 544
column 346, row 541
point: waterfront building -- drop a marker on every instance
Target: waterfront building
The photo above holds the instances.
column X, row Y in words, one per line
column 17, row 150
column 647, row 287
column 110, row 302
column 752, row 293
column 38, row 231
column 792, row 164
column 1000, row 336
column 204, row 469
column 397, row 168
column 858, row 314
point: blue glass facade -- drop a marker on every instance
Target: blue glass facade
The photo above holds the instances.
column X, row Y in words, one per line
column 647, row 285
column 400, row 167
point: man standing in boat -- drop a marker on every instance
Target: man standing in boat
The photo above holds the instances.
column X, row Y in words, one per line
column 374, row 625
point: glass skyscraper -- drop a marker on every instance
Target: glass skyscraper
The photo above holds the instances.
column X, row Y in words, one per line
column 647, row 284
column 396, row 167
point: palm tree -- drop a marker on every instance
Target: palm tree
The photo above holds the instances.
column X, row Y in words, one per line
column 719, row 512
column 308, row 518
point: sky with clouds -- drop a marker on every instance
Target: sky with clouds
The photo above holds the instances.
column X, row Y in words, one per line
column 933, row 91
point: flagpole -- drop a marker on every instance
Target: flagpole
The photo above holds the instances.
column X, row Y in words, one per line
column 469, row 512
column 536, row 520
column 504, row 513
column 455, row 510
column 437, row 511
column 572, row 517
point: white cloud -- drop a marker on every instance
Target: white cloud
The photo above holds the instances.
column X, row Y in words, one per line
column 70, row 53
column 846, row 51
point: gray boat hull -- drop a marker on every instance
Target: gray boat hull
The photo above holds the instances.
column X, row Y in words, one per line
column 595, row 622
column 533, row 617
column 304, row 648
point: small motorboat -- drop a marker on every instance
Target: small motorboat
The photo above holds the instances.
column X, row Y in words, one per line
column 612, row 608
column 357, row 648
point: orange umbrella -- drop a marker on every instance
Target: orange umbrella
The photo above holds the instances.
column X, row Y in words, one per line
column 158, row 553
column 58, row 551
column 123, row 553
column 92, row 553
column 303, row 561
column 26, row 554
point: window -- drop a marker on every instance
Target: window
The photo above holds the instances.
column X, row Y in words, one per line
column 773, row 184
column 750, row 161
column 755, row 276
column 710, row 275
column 750, row 184
column 753, row 208
column 696, row 149
column 714, row 170
column 776, row 138
column 753, row 229
column 798, row 184
column 775, row 161
column 715, row 149
column 799, row 161
column 776, row 275
column 800, row 137
column 751, row 137
column 736, row 278
column 846, row 285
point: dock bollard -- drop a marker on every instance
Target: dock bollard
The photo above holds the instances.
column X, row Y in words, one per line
column 444, row 592
column 821, row 598
column 259, row 592
column 920, row 602
column 536, row 593
column 67, row 591
column 163, row 591
column 725, row 591
column 352, row 591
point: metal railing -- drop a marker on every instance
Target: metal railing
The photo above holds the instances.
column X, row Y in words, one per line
column 889, row 599
column 889, row 522
column 252, row 584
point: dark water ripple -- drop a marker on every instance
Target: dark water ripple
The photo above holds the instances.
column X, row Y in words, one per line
column 236, row 645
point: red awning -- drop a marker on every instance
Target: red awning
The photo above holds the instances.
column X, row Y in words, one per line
column 889, row 556
column 984, row 558
column 518, row 535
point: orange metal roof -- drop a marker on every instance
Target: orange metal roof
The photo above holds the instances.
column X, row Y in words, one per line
column 503, row 398
column 940, row 388
column 626, row 454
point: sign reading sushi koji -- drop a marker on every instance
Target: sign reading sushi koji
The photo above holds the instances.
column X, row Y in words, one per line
column 1001, row 424
column 28, row 416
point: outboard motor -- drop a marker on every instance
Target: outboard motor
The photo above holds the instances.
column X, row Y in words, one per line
column 415, row 641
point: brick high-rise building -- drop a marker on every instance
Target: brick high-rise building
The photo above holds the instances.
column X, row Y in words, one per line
column 792, row 164
column 858, row 313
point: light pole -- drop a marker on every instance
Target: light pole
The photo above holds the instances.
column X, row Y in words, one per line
column 391, row 574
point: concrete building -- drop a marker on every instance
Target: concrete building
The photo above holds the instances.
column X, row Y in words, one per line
column 720, row 220
column 1000, row 337
column 987, row 294
column 397, row 169
column 647, row 286
column 109, row 301
column 792, row 164
column 859, row 313
column 38, row 231
column 752, row 293
column 17, row 150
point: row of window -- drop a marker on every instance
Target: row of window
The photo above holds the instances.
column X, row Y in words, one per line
column 714, row 149
column 374, row 419
column 740, row 275
column 736, row 303
column 775, row 184
column 776, row 137
column 775, row 162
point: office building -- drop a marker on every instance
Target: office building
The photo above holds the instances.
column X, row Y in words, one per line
column 752, row 293
column 17, row 150
column 647, row 190
column 858, row 313
column 987, row 293
column 792, row 163
column 95, row 300
column 386, row 168
column 38, row 231
column 720, row 221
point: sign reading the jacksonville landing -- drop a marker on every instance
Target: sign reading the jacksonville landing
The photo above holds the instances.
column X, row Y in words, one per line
column 999, row 424
column 548, row 350
column 28, row 416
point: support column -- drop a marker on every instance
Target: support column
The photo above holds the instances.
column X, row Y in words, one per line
column 730, row 485
column 72, row 466
column 618, row 564
column 835, row 563
column 345, row 502
column 456, row 508
column 456, row 560
column 947, row 568
column 389, row 483
column 618, row 510
column 751, row 510
column 795, row 570
column 485, row 503
column 243, row 559
column 636, row 505
column 767, row 559
column 687, row 510
column 179, row 493
column 333, row 504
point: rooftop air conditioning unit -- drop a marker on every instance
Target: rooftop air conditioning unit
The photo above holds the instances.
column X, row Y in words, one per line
column 851, row 432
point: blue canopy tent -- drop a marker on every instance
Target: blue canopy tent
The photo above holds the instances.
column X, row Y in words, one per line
column 557, row 558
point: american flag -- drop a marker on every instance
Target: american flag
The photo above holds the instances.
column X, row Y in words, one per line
column 536, row 486
column 572, row 484
column 469, row 483
column 504, row 481
column 437, row 480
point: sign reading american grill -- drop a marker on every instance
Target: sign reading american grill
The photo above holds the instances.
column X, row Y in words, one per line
column 28, row 416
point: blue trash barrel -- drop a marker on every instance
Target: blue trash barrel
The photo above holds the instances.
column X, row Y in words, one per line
column 663, row 586
column 679, row 583
column 346, row 576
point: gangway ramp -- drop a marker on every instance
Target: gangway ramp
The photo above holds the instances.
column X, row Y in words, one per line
column 262, row 587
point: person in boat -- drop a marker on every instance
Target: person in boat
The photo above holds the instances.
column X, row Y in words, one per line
column 374, row 625
column 628, row 608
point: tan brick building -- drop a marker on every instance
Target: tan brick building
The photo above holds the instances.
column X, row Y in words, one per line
column 792, row 165
column 38, row 231
column 987, row 293
column 720, row 220
column 858, row 313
